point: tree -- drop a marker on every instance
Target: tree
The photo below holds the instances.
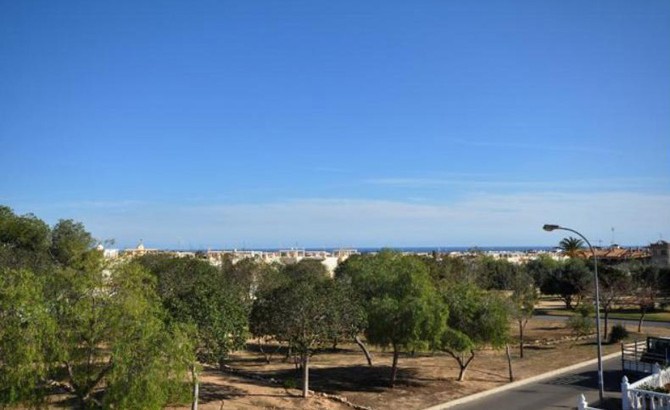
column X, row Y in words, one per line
column 645, row 290
column 98, row 331
column 476, row 319
column 570, row 279
column 541, row 268
column 446, row 269
column 346, row 318
column 571, row 246
column 302, row 312
column 23, row 232
column 403, row 308
column 523, row 300
column 194, row 292
column 70, row 242
column 24, row 242
column 614, row 285
column 581, row 322
column 492, row 273
column 246, row 276
column 26, row 332
column 111, row 335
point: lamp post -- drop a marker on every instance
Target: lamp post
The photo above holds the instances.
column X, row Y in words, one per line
column 549, row 228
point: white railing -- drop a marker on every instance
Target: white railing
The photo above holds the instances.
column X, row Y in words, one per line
column 635, row 396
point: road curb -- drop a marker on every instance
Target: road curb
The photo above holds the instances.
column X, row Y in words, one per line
column 519, row 383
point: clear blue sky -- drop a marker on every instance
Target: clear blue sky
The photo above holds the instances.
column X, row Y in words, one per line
column 338, row 123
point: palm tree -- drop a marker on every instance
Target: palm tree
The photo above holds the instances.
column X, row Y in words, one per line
column 570, row 246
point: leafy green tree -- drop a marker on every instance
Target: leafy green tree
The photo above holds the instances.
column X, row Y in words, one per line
column 571, row 246
column 494, row 273
column 346, row 318
column 70, row 242
column 246, row 276
column 69, row 319
column 476, row 319
column 26, row 332
column 306, row 310
column 523, row 299
column 571, row 279
column 111, row 337
column 24, row 242
column 615, row 284
column 541, row 268
column 403, row 309
column 194, row 292
column 445, row 269
column 23, row 232
column 645, row 289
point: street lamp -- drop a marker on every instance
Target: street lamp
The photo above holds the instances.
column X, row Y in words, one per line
column 601, row 388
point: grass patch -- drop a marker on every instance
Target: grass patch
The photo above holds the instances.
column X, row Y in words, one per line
column 629, row 314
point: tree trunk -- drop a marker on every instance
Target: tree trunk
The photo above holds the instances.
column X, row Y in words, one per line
column 394, row 366
column 639, row 323
column 606, row 317
column 509, row 363
column 305, row 375
column 360, row 344
column 196, row 387
column 521, row 339
column 464, row 365
column 461, row 373
column 567, row 299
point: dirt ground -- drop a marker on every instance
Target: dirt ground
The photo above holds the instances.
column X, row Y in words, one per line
column 424, row 379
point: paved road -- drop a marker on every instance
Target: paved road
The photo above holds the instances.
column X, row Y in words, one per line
column 561, row 392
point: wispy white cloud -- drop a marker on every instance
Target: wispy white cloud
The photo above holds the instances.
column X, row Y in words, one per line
column 536, row 147
column 601, row 184
column 484, row 219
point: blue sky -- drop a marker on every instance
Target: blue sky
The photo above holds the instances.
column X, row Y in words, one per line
column 348, row 123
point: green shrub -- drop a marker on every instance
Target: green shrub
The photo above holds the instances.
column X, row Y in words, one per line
column 618, row 333
column 290, row 384
column 581, row 323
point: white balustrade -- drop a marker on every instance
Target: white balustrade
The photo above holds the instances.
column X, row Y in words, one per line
column 635, row 396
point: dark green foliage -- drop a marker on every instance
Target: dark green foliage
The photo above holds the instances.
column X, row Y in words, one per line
column 448, row 269
column 68, row 319
column 25, row 336
column 494, row 273
column 476, row 319
column 70, row 242
column 306, row 309
column 619, row 333
column 581, row 323
column 403, row 309
column 615, row 285
column 25, row 232
column 541, row 268
column 570, row 279
column 522, row 302
column 570, row 246
column 247, row 276
column 195, row 292
column 24, row 242
column 111, row 333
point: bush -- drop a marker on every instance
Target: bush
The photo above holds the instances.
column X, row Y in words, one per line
column 581, row 323
column 290, row 384
column 618, row 333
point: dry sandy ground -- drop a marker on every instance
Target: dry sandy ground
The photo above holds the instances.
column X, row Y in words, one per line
column 424, row 379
